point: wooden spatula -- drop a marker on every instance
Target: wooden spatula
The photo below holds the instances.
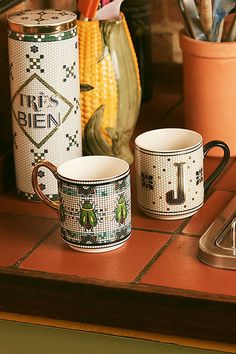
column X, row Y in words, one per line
column 206, row 15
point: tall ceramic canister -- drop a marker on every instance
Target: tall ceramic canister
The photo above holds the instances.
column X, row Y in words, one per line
column 44, row 78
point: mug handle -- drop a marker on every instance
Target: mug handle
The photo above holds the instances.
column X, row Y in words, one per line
column 37, row 189
column 225, row 159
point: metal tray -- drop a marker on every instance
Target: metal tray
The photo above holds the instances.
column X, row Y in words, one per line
column 217, row 246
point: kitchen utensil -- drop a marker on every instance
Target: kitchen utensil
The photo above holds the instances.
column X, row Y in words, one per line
column 110, row 12
column 184, row 17
column 206, row 15
column 221, row 8
column 232, row 32
column 221, row 32
column 193, row 20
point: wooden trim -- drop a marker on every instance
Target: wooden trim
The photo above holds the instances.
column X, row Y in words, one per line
column 88, row 328
column 136, row 307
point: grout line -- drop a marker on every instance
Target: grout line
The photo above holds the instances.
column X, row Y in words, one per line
column 23, row 258
column 177, row 231
column 153, row 260
column 183, row 225
column 162, row 249
column 191, row 235
column 153, row 230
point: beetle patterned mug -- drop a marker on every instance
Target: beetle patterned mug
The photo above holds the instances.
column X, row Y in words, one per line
column 94, row 201
column 170, row 174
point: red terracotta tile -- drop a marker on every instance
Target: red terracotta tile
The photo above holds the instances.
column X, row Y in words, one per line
column 11, row 203
column 142, row 221
column 18, row 234
column 204, row 217
column 121, row 265
column 228, row 182
column 179, row 267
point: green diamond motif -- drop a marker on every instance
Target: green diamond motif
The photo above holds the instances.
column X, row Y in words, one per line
column 39, row 109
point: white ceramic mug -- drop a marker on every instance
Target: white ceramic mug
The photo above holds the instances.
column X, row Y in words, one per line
column 169, row 172
column 94, row 201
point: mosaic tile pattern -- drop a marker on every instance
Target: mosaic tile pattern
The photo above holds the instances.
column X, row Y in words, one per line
column 170, row 183
column 45, row 97
column 96, row 214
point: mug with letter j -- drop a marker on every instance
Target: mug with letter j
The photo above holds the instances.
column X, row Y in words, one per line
column 94, row 201
column 169, row 172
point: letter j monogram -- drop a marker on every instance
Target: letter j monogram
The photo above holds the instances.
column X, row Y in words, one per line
column 180, row 197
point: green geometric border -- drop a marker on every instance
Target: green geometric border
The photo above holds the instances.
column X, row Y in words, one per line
column 35, row 76
column 34, row 197
column 22, row 37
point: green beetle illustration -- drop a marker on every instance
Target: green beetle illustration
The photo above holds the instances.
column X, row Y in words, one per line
column 88, row 218
column 121, row 210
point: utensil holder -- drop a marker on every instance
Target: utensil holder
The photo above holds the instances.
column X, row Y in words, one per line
column 209, row 72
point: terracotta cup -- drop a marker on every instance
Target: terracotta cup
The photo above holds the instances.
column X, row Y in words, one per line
column 209, row 72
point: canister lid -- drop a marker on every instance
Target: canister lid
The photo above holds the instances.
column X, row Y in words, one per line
column 42, row 21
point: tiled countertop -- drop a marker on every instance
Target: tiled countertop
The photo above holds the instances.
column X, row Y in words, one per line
column 154, row 282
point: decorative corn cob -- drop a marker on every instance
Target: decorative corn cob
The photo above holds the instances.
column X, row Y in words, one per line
column 110, row 87
column 97, row 77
